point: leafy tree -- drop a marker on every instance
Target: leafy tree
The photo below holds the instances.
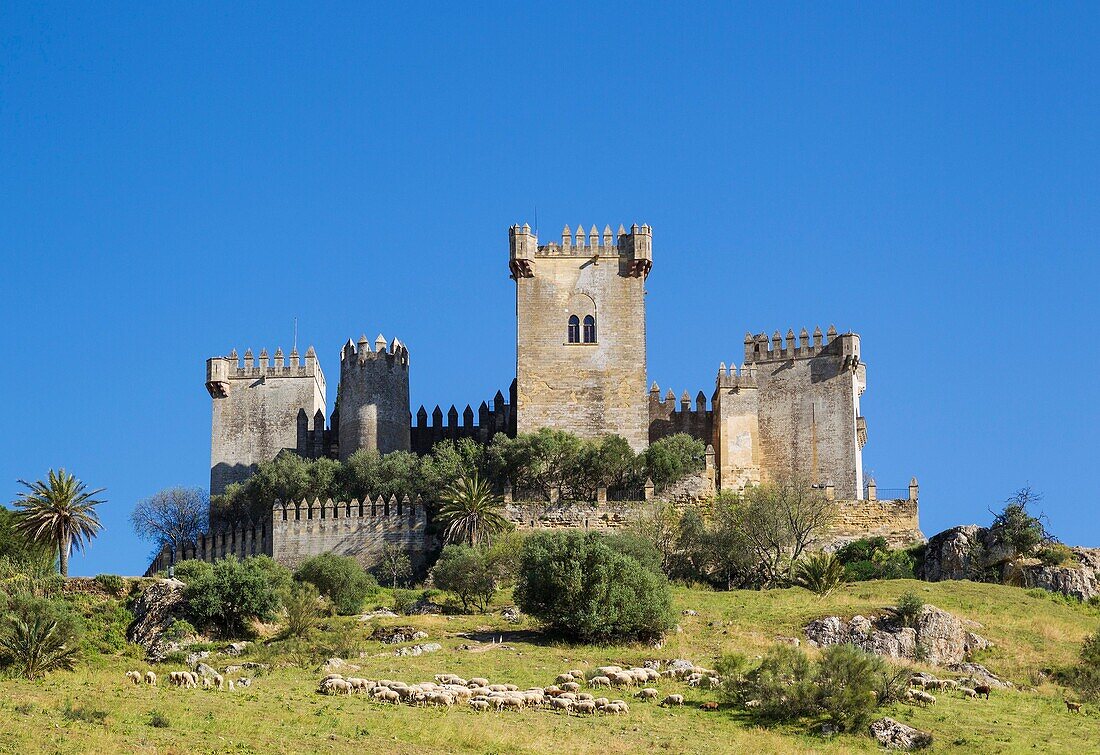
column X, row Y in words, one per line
column 731, row 554
column 450, row 461
column 872, row 558
column 467, row 573
column 693, row 552
column 17, row 548
column 39, row 635
column 583, row 587
column 1090, row 650
column 172, row 517
column 394, row 565
column 673, row 458
column 471, row 513
column 846, row 686
column 1016, row 525
column 820, row 573
column 60, row 512
column 340, row 579
column 233, row 593
column 288, row 477
column 302, row 604
column 504, row 555
column 659, row 524
column 783, row 684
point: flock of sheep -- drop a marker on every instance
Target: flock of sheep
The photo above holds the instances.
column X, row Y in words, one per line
column 919, row 684
column 189, row 680
column 565, row 695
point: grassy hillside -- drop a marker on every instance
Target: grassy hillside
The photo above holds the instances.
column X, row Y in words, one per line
column 94, row 710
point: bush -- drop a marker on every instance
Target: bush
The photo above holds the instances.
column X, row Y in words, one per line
column 1016, row 525
column 820, row 573
column 233, row 593
column 158, row 720
column 340, row 579
column 191, row 570
column 302, row 607
column 39, row 635
column 909, row 609
column 468, row 573
column 582, row 586
column 1056, row 554
column 404, row 601
column 846, row 686
column 872, row 558
column 178, row 630
column 782, row 683
column 673, row 458
column 110, row 583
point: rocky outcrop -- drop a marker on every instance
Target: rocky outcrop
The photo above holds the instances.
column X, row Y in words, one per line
column 1080, row 580
column 970, row 552
column 976, row 673
column 894, row 735
column 939, row 637
column 158, row 606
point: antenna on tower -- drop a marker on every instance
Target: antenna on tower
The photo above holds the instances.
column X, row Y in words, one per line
column 295, row 333
column 536, row 221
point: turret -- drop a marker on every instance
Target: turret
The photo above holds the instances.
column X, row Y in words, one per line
column 373, row 401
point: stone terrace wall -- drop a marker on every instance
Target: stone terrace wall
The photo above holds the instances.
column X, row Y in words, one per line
column 543, row 515
column 895, row 519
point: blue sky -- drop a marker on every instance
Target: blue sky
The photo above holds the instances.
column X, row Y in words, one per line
column 179, row 181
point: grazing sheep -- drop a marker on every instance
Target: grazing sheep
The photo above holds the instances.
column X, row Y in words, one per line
column 608, row 670
column 753, row 704
column 558, row 703
column 244, row 681
column 601, row 702
column 948, row 684
column 219, row 682
column 441, row 698
column 563, row 678
column 498, row 688
column 150, row 678
column 599, row 681
column 673, row 700
column 983, row 690
column 553, row 690
column 134, row 677
column 646, row 694
column 1073, row 707
column 515, row 703
column 478, row 681
column 479, row 704
column 918, row 681
column 336, row 687
column 612, row 708
column 924, row 698
column 710, row 705
column 571, row 686
column 584, row 706
column 623, row 707
column 207, row 682
column 359, row 684
column 567, row 696
column 585, row 696
column 386, row 695
column 968, row 691
column 230, row 685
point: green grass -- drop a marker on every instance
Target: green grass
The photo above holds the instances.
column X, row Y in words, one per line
column 281, row 712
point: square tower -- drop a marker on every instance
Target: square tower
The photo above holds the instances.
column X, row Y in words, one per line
column 580, row 332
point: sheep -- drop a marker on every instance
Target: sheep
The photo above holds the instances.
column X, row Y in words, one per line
column 386, row 695
column 924, row 698
column 710, row 705
column 1073, row 707
column 567, row 696
column 336, row 687
column 478, row 681
column 608, row 670
column 649, row 693
column 479, row 704
column 918, row 681
column 553, row 690
column 673, row 700
column 585, row 696
column 599, row 681
column 983, row 690
column 207, row 682
column 584, row 706
column 600, row 702
column 571, row 686
column 359, row 684
column 577, row 674
column 151, row 678
column 510, row 702
column 612, row 708
column 244, row 681
column 623, row 707
column 967, row 691
column 498, row 688
column 134, row 677
column 230, row 685
column 332, row 676
column 563, row 678
column 558, row 703
column 441, row 698
column 948, row 684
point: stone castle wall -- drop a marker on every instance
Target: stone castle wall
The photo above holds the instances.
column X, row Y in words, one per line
column 372, row 409
column 590, row 389
column 896, row 520
column 259, row 409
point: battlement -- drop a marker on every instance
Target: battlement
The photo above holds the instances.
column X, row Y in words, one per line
column 305, row 510
column 735, row 377
column 499, row 417
column 666, row 417
column 395, row 352
column 759, row 349
column 221, row 370
column 637, row 245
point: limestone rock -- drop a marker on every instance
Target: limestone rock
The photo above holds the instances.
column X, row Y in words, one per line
column 950, row 554
column 1081, row 581
column 939, row 638
column 155, row 610
column 511, row 614
column 979, row 674
column 203, row 670
column 338, row 666
column 193, row 658
column 236, row 648
column 427, row 647
column 894, row 735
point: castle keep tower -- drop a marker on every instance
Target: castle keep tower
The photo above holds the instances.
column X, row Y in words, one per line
column 259, row 409
column 372, row 405
column 581, row 341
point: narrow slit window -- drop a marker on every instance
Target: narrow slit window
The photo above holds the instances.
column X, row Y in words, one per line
column 589, row 329
column 574, row 329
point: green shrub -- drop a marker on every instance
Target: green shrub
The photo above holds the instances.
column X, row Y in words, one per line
column 909, row 609
column 1056, row 554
column 340, row 579
column 404, row 600
column 872, row 558
column 820, row 573
column 581, row 586
column 673, row 458
column 232, row 594
column 112, row 584
column 782, row 683
column 302, row 605
column 468, row 573
column 38, row 635
column 190, row 570
column 846, row 686
column 158, row 720
column 1090, row 650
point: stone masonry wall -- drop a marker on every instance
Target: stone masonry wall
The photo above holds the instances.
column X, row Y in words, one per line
column 373, row 401
column 256, row 410
column 589, row 389
column 896, row 520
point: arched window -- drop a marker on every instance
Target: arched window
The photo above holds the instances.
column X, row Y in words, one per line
column 574, row 329
column 589, row 329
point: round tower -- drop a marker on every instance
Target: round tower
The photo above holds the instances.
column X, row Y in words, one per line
column 373, row 400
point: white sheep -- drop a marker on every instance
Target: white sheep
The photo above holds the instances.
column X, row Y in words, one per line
column 584, row 706
column 479, row 704
column 336, row 687
column 219, row 682
column 559, row 703
column 599, row 681
column 478, row 681
column 134, row 677
column 151, row 678
column 571, row 686
column 968, row 691
column 649, row 693
column 608, row 670
column 673, row 700
column 563, row 678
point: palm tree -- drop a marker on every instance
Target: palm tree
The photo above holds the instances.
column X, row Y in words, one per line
column 60, row 512
column 37, row 645
column 471, row 513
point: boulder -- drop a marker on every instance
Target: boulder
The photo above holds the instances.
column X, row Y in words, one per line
column 939, row 637
column 894, row 735
column 1080, row 580
column 155, row 609
column 203, row 670
column 979, row 674
column 427, row 647
column 236, row 648
column 511, row 614
column 338, row 666
column 950, row 554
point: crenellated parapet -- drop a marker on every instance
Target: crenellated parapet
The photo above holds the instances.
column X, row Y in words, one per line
column 736, row 378
column 669, row 417
column 394, row 353
column 636, row 246
column 497, row 416
column 759, row 348
column 220, row 371
column 372, row 410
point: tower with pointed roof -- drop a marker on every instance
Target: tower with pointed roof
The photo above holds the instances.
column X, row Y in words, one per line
column 581, row 331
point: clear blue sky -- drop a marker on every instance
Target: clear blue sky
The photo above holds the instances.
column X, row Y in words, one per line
column 179, row 181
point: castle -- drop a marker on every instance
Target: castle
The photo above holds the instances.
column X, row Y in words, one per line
column 791, row 407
